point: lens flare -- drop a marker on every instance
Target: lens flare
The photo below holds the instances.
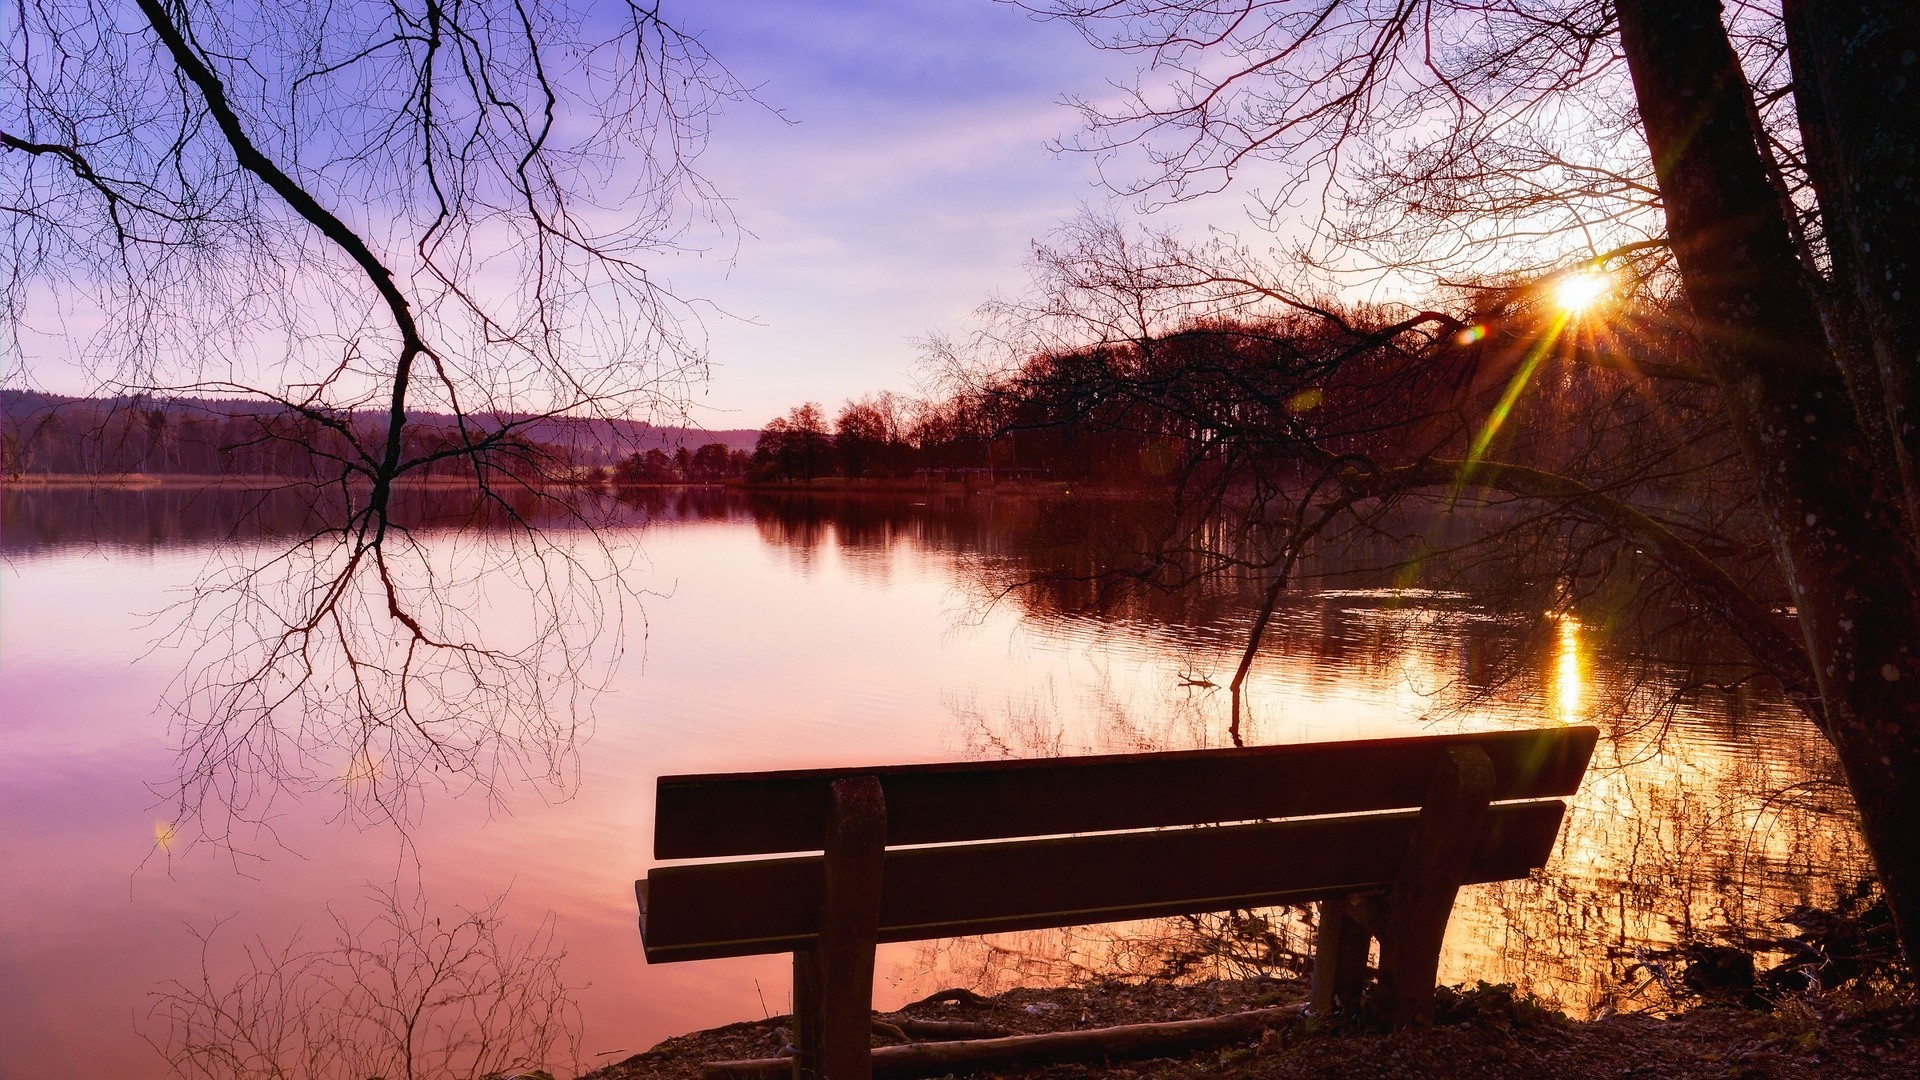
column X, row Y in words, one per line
column 1509, row 398
column 1575, row 293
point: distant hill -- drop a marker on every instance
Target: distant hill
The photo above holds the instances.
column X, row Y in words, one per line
column 607, row 441
column 50, row 433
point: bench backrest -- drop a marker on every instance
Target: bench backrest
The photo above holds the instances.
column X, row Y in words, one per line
column 1071, row 877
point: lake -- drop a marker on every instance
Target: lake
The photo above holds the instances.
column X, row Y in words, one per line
column 782, row 631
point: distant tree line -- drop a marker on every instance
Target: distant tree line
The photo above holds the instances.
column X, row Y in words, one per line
column 79, row 436
column 1271, row 403
column 873, row 437
column 1128, row 413
column 884, row 436
column 44, row 434
column 711, row 463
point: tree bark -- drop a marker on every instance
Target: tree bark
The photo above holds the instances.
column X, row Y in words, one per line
column 1834, row 509
column 1857, row 85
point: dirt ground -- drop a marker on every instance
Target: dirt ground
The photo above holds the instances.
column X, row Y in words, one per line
column 1486, row 1033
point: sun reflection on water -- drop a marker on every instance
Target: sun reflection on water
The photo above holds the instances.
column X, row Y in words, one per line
column 364, row 769
column 1569, row 673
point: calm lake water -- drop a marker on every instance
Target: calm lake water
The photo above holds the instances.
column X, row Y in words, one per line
column 789, row 632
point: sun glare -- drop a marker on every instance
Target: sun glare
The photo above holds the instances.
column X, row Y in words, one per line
column 1576, row 293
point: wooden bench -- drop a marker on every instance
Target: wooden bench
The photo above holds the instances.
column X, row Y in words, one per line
column 1381, row 833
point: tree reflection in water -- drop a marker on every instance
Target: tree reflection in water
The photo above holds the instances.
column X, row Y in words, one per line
column 408, row 994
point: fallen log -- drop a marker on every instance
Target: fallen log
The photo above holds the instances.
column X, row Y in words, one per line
column 1090, row 1044
column 888, row 1030
column 946, row 1030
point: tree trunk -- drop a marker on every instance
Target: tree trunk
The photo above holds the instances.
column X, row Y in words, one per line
column 1835, row 508
column 1857, row 85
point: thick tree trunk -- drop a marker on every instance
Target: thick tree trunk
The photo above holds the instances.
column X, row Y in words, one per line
column 1835, row 507
column 1855, row 62
column 1840, row 306
column 1856, row 67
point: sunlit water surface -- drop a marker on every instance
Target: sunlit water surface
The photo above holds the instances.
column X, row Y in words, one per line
column 792, row 635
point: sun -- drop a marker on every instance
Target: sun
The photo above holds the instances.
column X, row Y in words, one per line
column 1575, row 293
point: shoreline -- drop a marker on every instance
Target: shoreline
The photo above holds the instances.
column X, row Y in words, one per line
column 1484, row 1032
column 226, row 480
column 822, row 486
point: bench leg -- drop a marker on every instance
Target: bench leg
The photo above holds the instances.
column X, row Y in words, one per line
column 1422, row 897
column 849, row 928
column 1410, row 961
column 1339, row 959
column 806, row 1014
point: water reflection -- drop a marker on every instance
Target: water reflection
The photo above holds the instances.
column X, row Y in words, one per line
column 1712, row 807
column 1569, row 674
column 815, row 631
column 1698, row 828
column 44, row 519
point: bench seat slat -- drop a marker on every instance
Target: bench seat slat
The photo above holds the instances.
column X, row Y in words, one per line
column 719, row 815
column 704, row 911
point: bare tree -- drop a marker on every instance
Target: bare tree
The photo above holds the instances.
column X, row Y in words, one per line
column 403, row 994
column 1769, row 148
column 353, row 214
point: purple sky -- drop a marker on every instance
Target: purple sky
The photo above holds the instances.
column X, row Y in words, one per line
column 905, row 191
column 898, row 186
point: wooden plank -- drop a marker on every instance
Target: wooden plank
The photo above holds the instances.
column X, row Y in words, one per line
column 772, row 905
column 718, row 815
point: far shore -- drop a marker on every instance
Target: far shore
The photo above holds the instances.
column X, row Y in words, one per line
column 826, row 485
column 840, row 485
column 199, row 480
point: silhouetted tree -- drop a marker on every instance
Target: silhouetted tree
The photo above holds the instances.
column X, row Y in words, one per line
column 796, row 446
column 712, row 461
column 348, row 214
column 860, row 437
column 1770, row 151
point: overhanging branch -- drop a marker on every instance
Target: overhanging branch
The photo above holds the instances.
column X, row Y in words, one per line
column 1752, row 622
column 254, row 160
